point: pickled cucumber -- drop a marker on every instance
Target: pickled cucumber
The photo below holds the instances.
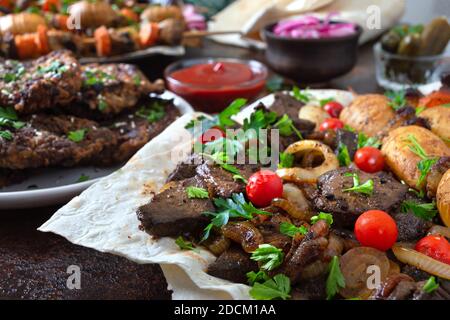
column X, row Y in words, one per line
column 410, row 45
column 435, row 37
column 390, row 41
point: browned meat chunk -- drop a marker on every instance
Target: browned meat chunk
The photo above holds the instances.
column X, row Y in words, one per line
column 172, row 213
column 111, row 88
column 233, row 265
column 410, row 227
column 347, row 206
column 49, row 81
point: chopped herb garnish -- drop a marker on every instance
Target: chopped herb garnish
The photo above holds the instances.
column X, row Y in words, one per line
column 277, row 288
column 14, row 76
column 260, row 119
column 197, row 193
column 56, row 67
column 275, row 83
column 96, row 77
column 77, row 135
column 286, row 127
column 221, row 158
column 238, row 177
column 291, row 230
column 253, row 277
column 269, row 255
column 102, row 105
column 183, row 244
column 335, row 278
column 137, row 80
column 343, row 155
column 153, row 112
column 194, row 122
column 233, row 109
column 365, row 141
column 397, row 99
column 6, row 134
column 234, row 207
column 430, row 285
column 426, row 162
column 83, row 178
column 426, row 211
column 9, row 118
column 286, row 160
column 365, row 188
column 302, row 96
column 420, row 109
column 323, row 102
column 328, row 217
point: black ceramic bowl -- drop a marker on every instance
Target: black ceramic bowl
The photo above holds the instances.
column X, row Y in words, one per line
column 311, row 60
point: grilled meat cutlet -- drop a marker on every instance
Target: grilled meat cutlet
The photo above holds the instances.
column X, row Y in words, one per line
column 62, row 140
column 30, row 87
column 112, row 88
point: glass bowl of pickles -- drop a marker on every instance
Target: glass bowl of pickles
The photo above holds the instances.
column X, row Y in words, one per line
column 413, row 56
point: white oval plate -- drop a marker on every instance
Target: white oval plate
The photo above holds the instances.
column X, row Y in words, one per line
column 52, row 186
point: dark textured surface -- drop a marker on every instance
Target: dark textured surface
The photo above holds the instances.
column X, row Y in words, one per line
column 34, row 265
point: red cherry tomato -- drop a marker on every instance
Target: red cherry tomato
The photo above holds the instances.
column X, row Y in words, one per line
column 212, row 134
column 333, row 108
column 264, row 186
column 376, row 229
column 331, row 123
column 369, row 159
column 436, row 247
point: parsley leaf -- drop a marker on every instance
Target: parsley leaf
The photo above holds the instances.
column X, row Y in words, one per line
column 302, row 96
column 102, row 105
column 278, row 287
column 323, row 102
column 343, row 155
column 270, row 256
column 194, row 122
column 420, row 109
column 234, row 207
column 77, row 135
column 56, row 67
column 286, row 127
column 416, row 148
column 426, row 211
column 197, row 193
column 83, row 178
column 8, row 113
column 430, row 285
column 183, row 244
column 291, row 230
column 328, row 217
column 365, row 188
column 253, row 277
column 397, row 99
column 260, row 119
column 365, row 141
column 6, row 134
column 286, row 160
column 335, row 278
column 153, row 112
column 426, row 162
column 231, row 110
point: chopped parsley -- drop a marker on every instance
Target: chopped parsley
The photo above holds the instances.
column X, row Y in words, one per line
column 277, row 288
column 234, row 207
column 197, row 193
column 343, row 155
column 102, row 105
column 56, row 67
column 365, row 188
column 95, row 77
column 233, row 109
column 426, row 162
column 365, row 141
column 291, row 230
column 194, row 122
column 397, row 99
column 323, row 102
column 328, row 217
column 335, row 278
column 286, row 127
column 152, row 112
column 426, row 211
column 6, row 134
column 9, row 118
column 221, row 159
column 269, row 255
column 302, row 96
column 14, row 76
column 253, row 277
column 137, row 80
column 83, row 178
column 183, row 244
column 260, row 119
column 420, row 109
column 77, row 135
column 430, row 285
column 286, row 160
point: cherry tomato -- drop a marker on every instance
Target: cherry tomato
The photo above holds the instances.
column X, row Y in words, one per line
column 369, row 159
column 436, row 247
column 212, row 135
column 264, row 186
column 333, row 108
column 376, row 229
column 331, row 123
column 50, row 5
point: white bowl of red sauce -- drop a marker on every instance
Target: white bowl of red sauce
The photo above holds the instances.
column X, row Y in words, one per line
column 211, row 84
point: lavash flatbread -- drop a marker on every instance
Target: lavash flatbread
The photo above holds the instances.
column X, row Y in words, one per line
column 104, row 216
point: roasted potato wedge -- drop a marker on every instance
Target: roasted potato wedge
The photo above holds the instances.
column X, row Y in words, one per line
column 399, row 157
column 439, row 119
column 443, row 198
column 368, row 113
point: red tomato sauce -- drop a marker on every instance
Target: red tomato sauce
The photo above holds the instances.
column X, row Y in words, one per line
column 211, row 87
